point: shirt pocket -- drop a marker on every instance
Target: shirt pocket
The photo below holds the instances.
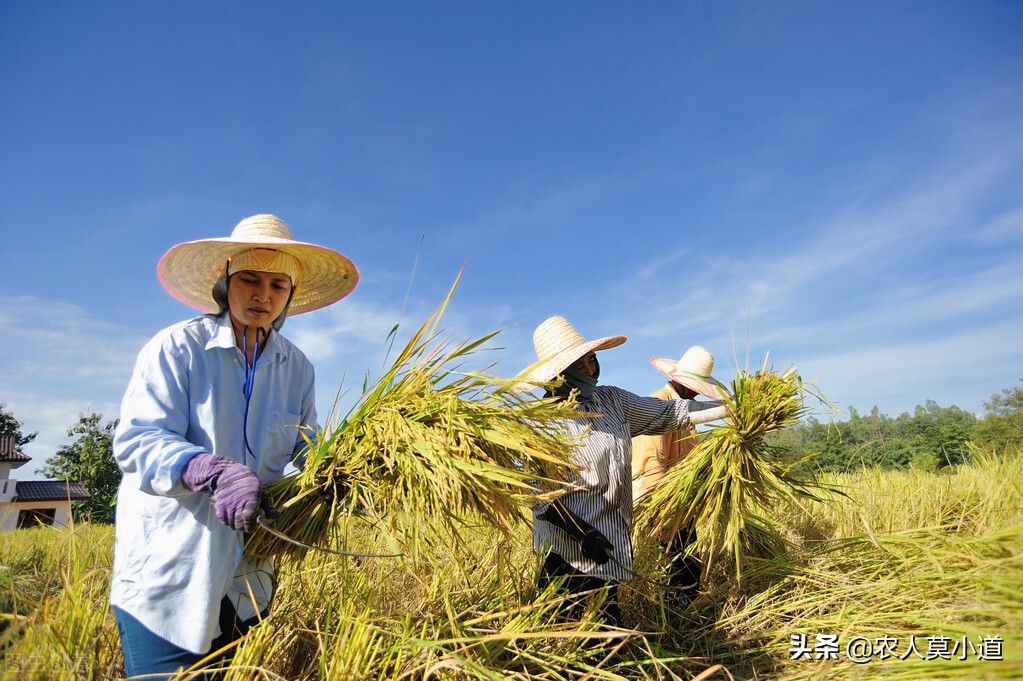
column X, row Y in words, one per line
column 281, row 434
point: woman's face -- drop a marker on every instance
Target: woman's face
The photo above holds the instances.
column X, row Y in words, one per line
column 256, row 299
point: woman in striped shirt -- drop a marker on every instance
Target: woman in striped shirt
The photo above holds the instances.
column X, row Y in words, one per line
column 586, row 533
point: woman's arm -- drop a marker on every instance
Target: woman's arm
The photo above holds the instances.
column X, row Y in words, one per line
column 653, row 416
column 308, row 427
column 592, row 542
column 149, row 442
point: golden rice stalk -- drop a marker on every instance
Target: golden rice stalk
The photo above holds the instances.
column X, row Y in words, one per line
column 427, row 445
column 731, row 479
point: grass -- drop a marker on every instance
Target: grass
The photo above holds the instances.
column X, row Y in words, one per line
column 441, row 465
column 56, row 622
column 935, row 557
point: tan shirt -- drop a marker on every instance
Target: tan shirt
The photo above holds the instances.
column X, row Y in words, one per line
column 653, row 455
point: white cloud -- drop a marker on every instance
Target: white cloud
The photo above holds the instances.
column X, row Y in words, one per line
column 962, row 369
column 60, row 362
column 55, row 341
column 889, row 303
column 51, row 417
column 1006, row 228
column 350, row 327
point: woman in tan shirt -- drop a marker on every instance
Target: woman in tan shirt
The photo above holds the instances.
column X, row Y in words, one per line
column 654, row 455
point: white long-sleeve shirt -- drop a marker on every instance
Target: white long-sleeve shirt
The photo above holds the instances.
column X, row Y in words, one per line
column 174, row 561
column 604, row 458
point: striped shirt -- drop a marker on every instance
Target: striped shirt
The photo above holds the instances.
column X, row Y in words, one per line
column 604, row 458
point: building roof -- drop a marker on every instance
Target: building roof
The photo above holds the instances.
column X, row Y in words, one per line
column 50, row 490
column 9, row 452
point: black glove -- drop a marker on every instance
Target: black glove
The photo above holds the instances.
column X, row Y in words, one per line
column 592, row 541
column 596, row 546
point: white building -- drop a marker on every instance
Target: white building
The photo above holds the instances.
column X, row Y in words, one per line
column 28, row 503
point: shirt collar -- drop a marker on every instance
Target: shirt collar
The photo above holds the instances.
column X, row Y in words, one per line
column 223, row 337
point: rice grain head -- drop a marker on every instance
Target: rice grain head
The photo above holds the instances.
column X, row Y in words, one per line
column 731, row 480
column 428, row 446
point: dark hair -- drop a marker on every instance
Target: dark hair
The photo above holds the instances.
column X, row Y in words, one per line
column 220, row 298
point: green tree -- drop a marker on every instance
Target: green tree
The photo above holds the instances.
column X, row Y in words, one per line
column 943, row 433
column 1001, row 429
column 825, row 446
column 874, row 439
column 931, row 438
column 12, row 426
column 90, row 460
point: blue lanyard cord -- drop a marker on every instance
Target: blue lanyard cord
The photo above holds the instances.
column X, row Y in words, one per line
column 250, row 380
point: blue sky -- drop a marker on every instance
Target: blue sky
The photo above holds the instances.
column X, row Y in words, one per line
column 830, row 185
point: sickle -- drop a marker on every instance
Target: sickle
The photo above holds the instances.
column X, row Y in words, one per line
column 261, row 519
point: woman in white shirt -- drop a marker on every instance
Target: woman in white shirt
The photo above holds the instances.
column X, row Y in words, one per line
column 217, row 407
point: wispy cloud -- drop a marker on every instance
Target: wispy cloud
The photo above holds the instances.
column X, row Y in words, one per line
column 54, row 341
column 50, row 418
column 889, row 284
column 963, row 368
column 1005, row 228
column 61, row 362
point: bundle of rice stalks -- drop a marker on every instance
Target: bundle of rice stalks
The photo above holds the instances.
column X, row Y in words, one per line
column 427, row 445
column 728, row 484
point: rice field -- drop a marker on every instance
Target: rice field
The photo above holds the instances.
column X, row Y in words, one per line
column 910, row 575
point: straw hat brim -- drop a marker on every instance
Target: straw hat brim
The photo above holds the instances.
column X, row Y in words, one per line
column 188, row 271
column 712, row 388
column 547, row 369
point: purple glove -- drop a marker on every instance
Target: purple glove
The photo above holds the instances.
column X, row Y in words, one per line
column 235, row 490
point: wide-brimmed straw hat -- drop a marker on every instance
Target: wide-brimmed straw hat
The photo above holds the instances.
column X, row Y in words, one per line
column 189, row 270
column 693, row 370
column 558, row 345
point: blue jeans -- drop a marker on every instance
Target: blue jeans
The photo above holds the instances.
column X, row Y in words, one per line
column 147, row 653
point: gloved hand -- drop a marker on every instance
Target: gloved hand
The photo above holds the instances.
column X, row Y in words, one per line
column 592, row 542
column 596, row 546
column 235, row 490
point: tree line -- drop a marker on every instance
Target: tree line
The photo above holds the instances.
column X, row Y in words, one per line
column 931, row 438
